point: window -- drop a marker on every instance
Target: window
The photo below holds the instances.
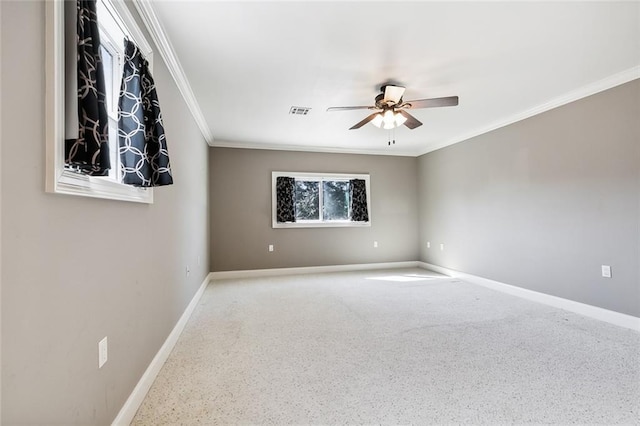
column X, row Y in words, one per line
column 305, row 200
column 112, row 53
column 115, row 22
column 321, row 199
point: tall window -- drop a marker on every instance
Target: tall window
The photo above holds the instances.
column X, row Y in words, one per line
column 314, row 199
column 115, row 23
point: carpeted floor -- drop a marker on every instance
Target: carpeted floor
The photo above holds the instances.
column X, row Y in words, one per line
column 391, row 347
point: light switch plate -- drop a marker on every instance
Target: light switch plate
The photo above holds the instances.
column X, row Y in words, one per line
column 606, row 271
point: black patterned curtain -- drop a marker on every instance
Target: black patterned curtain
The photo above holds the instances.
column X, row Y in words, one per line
column 142, row 144
column 358, row 200
column 89, row 152
column 285, row 199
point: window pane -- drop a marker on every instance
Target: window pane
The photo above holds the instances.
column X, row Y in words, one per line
column 307, row 200
column 107, row 66
column 335, row 198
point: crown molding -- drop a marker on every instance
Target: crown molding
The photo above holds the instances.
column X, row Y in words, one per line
column 306, row 148
column 582, row 92
column 157, row 32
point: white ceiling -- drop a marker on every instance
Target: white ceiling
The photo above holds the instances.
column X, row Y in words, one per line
column 249, row 62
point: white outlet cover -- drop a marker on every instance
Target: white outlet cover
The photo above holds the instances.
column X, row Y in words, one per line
column 103, row 352
column 428, row 244
column 441, row 247
column 606, row 271
column 375, row 244
column 270, row 247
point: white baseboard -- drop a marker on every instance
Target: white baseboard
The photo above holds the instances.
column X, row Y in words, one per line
column 255, row 273
column 612, row 317
column 130, row 407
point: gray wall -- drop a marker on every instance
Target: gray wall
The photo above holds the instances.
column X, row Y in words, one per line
column 1, row 96
column 78, row 269
column 542, row 203
column 240, row 182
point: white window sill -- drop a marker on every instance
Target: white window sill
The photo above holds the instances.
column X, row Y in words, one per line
column 332, row 224
column 71, row 183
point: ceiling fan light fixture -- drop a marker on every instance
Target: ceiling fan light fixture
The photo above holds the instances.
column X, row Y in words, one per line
column 391, row 109
column 377, row 120
column 388, row 119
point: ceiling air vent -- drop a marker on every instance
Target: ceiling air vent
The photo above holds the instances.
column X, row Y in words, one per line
column 299, row 110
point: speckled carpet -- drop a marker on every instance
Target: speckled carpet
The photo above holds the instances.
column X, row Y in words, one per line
column 391, row 347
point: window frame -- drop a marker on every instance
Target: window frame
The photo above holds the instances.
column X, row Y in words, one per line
column 314, row 176
column 60, row 180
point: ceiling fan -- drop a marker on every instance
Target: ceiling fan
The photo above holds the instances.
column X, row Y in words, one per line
column 390, row 108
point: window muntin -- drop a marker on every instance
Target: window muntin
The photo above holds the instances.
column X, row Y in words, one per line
column 322, row 200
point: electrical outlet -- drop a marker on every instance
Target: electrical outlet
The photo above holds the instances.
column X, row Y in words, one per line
column 103, row 352
column 270, row 247
column 441, row 247
column 606, row 271
column 375, row 244
column 428, row 244
column 187, row 271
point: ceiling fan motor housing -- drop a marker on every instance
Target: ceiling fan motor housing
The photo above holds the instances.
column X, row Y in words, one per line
column 381, row 104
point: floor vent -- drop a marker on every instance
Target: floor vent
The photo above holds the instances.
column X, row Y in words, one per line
column 299, row 110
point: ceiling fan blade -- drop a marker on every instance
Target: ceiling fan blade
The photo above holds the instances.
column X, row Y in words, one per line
column 432, row 103
column 393, row 93
column 349, row 108
column 365, row 121
column 411, row 122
